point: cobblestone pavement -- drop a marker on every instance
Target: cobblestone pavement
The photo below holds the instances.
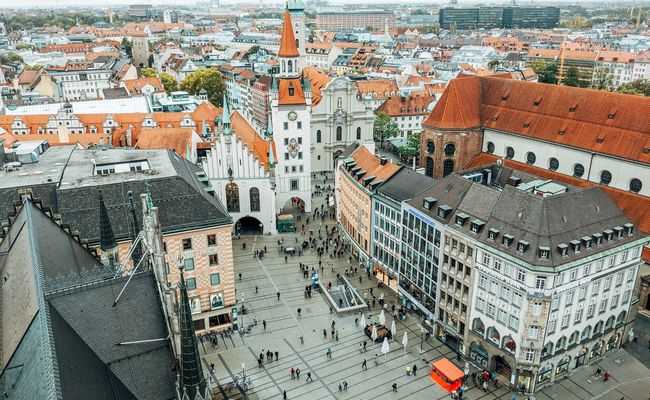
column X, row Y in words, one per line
column 284, row 328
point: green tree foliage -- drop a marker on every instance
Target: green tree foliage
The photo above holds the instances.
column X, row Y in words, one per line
column 546, row 70
column 148, row 72
column 209, row 79
column 254, row 49
column 168, row 81
column 572, row 77
column 384, row 128
column 412, row 147
column 127, row 46
column 420, row 11
column 33, row 67
column 639, row 87
column 10, row 58
column 65, row 20
column 603, row 79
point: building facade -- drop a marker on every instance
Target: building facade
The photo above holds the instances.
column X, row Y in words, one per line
column 337, row 21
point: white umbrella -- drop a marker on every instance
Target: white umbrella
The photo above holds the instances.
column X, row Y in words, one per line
column 405, row 341
column 382, row 318
column 373, row 335
column 385, row 347
column 362, row 323
column 393, row 329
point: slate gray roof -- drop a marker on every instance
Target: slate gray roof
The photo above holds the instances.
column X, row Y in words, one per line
column 405, row 184
column 540, row 221
column 173, row 183
column 62, row 343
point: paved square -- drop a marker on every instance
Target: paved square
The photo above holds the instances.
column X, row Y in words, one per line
column 630, row 379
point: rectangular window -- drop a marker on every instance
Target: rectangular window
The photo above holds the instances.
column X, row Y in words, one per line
column 294, row 184
column 486, row 259
column 537, row 309
column 555, row 302
column 569, row 298
column 608, row 283
column 215, row 279
column 212, row 240
column 565, row 320
column 619, row 278
column 506, row 293
column 497, row 264
column 540, row 282
column 299, row 125
column 482, row 282
column 503, row 316
column 213, row 259
column 285, row 125
column 517, row 299
column 286, row 141
column 586, row 270
column 603, row 305
column 514, row 322
column 630, row 274
column 595, row 288
column 190, row 284
column 187, row 244
column 578, row 316
column 533, row 332
column 480, row 304
column 490, row 309
column 530, row 355
column 521, row 275
column 572, row 275
column 611, row 260
column 599, row 265
column 582, row 293
column 300, row 155
column 494, row 287
column 590, row 309
column 286, row 156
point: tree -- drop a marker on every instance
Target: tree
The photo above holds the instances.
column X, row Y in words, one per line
column 384, row 128
column 209, row 79
column 639, row 87
column 546, row 70
column 603, row 79
column 572, row 77
column 494, row 64
column 254, row 49
column 33, row 67
column 420, row 11
column 150, row 60
column 168, row 81
column 148, row 72
column 127, row 46
column 11, row 58
column 412, row 147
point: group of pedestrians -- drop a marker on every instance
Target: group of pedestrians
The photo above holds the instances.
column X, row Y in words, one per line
column 269, row 357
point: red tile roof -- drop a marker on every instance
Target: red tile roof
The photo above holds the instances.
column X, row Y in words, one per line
column 603, row 122
column 290, row 92
column 256, row 144
column 414, row 104
column 175, row 139
column 372, row 165
column 288, row 42
column 318, row 80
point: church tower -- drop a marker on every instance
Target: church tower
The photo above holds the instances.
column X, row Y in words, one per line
column 297, row 11
column 291, row 121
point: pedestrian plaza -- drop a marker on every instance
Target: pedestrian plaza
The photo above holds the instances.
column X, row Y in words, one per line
column 236, row 356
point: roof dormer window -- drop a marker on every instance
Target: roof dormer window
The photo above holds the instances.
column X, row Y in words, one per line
column 609, row 234
column 493, row 234
column 575, row 245
column 476, row 226
column 629, row 229
column 586, row 242
column 428, row 203
column 507, row 240
column 543, row 252
column 564, row 249
column 443, row 211
column 619, row 231
column 522, row 246
column 461, row 218
column 598, row 238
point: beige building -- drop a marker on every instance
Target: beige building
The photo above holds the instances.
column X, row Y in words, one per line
column 358, row 175
column 140, row 50
column 351, row 19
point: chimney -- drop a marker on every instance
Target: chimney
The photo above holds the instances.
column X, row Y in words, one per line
column 383, row 161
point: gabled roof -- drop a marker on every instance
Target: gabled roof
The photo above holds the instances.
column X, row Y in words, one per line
column 288, row 42
column 134, row 86
column 372, row 164
column 459, row 105
column 175, row 139
column 256, row 144
column 318, row 80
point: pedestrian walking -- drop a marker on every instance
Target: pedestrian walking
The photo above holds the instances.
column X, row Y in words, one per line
column 328, row 353
column 299, row 312
column 340, row 387
column 360, row 347
column 309, row 377
column 356, row 322
column 331, row 309
column 264, row 323
column 259, row 363
column 276, row 355
column 345, row 385
column 605, row 376
column 485, row 386
column 364, row 365
column 302, row 340
column 337, row 335
column 284, row 395
column 394, row 387
column 414, row 369
column 285, row 259
column 376, row 359
column 256, row 289
column 293, row 373
column 365, row 344
column 324, row 334
column 240, row 276
column 278, row 296
column 298, row 373
column 332, row 332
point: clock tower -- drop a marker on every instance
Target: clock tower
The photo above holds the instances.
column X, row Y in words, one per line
column 291, row 122
column 297, row 11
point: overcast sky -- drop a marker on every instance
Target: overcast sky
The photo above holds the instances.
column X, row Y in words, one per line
column 104, row 3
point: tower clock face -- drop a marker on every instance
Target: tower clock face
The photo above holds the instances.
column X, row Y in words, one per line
column 296, row 25
column 292, row 116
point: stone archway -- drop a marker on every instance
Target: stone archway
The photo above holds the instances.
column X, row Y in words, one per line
column 502, row 367
column 249, row 226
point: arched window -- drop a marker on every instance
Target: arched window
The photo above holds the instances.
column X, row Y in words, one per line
column 297, row 43
column 255, row 199
column 620, row 320
column 429, row 169
column 232, row 197
column 478, row 326
column 490, row 147
column 284, row 66
column 509, row 344
column 547, row 350
column 494, row 335
column 318, row 136
column 359, row 133
column 585, row 333
column 530, row 158
column 510, row 153
column 635, row 185
column 431, row 147
column 598, row 327
column 339, row 102
column 561, row 344
column 605, row 177
column 339, row 133
column 553, row 164
column 447, row 167
column 450, row 149
column 290, row 65
column 578, row 170
column 610, row 323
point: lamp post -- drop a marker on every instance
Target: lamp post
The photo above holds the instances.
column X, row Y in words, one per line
column 421, row 339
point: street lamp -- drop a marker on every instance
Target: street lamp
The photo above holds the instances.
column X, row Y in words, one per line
column 421, row 339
